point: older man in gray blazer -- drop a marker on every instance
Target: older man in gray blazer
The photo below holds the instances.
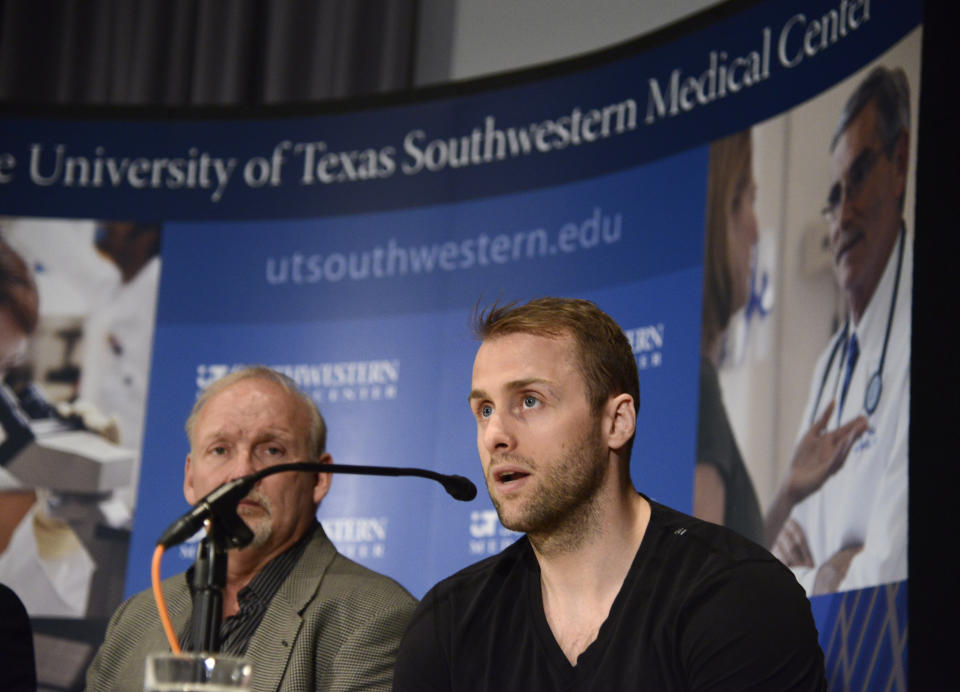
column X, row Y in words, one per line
column 306, row 617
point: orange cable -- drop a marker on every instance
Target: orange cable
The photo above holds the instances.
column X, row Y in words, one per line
column 161, row 604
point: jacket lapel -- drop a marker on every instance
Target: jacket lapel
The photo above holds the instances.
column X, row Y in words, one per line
column 273, row 641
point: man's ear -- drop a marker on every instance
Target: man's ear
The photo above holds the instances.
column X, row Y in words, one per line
column 188, row 491
column 323, row 479
column 619, row 421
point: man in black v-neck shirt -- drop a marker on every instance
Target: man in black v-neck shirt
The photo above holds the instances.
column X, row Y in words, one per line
column 608, row 590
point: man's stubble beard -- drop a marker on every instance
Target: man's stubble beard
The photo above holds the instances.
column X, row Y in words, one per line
column 564, row 511
column 261, row 521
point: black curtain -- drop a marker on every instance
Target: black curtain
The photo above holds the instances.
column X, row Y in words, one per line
column 203, row 52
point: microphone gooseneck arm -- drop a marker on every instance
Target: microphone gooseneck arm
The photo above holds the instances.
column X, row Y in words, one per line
column 458, row 487
column 220, row 505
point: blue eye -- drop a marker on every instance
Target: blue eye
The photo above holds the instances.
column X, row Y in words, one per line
column 485, row 411
column 530, row 401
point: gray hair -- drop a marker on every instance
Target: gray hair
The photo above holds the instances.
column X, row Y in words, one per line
column 318, row 428
column 889, row 90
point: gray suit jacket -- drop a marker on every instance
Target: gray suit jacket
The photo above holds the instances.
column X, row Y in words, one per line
column 333, row 625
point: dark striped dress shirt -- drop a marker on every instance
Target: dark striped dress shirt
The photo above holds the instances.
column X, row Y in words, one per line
column 235, row 631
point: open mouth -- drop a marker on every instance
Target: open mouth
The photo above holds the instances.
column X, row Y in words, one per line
column 510, row 476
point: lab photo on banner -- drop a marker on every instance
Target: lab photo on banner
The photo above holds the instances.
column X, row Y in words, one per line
column 77, row 306
column 805, row 347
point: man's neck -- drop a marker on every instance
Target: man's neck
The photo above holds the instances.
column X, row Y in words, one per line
column 580, row 581
column 242, row 567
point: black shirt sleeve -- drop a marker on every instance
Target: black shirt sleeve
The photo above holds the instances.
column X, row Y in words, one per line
column 752, row 629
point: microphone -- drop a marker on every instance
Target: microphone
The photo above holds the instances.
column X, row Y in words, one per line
column 222, row 500
column 459, row 488
column 221, row 503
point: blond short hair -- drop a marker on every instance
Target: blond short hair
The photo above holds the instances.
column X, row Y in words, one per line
column 317, row 441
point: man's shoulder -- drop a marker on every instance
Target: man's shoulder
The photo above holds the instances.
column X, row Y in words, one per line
column 137, row 617
column 489, row 571
column 699, row 552
column 677, row 530
column 349, row 576
column 714, row 599
column 482, row 598
column 175, row 590
column 341, row 579
column 478, row 587
column 134, row 629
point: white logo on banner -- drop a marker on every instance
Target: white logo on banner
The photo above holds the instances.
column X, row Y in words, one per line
column 358, row 537
column 647, row 344
column 346, row 381
column 487, row 535
column 188, row 549
column 208, row 374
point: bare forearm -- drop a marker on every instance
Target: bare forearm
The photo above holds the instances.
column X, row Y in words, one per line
column 777, row 516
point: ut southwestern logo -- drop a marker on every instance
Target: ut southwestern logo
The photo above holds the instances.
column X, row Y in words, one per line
column 487, row 535
column 345, row 381
column 358, row 537
column 188, row 549
column 647, row 344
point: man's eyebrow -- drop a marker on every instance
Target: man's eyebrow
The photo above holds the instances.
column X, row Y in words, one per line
column 514, row 385
column 212, row 435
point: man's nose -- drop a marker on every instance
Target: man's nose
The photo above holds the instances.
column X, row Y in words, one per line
column 498, row 434
column 244, row 464
column 846, row 207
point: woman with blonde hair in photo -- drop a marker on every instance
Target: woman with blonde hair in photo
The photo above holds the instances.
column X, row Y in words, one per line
column 723, row 491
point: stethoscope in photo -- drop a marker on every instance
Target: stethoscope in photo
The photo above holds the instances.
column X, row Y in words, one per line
column 871, row 397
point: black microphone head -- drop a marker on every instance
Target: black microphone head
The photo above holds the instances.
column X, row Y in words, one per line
column 219, row 502
column 460, row 488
